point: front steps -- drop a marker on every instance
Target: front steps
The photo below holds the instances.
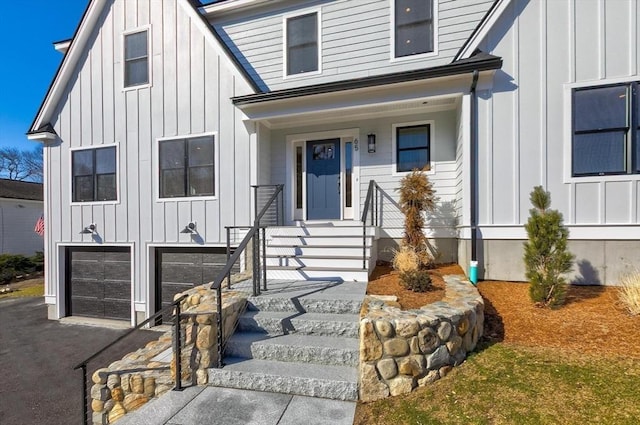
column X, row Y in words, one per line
column 297, row 338
column 331, row 250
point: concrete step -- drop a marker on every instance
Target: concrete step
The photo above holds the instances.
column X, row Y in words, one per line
column 308, row 379
column 308, row 250
column 319, row 240
column 334, row 262
column 286, row 322
column 320, row 230
column 348, row 274
column 295, row 348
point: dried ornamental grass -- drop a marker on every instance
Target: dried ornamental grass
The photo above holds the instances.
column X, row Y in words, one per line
column 629, row 292
column 405, row 259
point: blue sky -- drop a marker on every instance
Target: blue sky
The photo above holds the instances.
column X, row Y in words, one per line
column 29, row 61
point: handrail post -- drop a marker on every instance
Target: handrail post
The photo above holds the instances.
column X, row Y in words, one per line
column 176, row 348
column 219, row 325
column 228, row 256
column 85, row 411
column 264, row 258
column 255, row 202
column 256, row 266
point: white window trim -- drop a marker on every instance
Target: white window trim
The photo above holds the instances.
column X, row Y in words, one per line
column 568, row 132
column 93, row 147
column 392, row 49
column 394, row 157
column 216, row 168
column 285, row 57
column 146, row 28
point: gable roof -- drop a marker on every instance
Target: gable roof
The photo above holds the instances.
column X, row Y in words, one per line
column 479, row 33
column 79, row 41
column 15, row 189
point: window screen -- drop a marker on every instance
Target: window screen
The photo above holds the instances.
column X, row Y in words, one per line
column 412, row 147
column 414, row 31
column 136, row 59
column 187, row 167
column 302, row 44
column 94, row 175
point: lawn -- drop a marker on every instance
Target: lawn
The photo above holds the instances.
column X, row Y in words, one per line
column 26, row 288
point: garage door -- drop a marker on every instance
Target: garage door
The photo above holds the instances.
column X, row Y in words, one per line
column 179, row 269
column 99, row 282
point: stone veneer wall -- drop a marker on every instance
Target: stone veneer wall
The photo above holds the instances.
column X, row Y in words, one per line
column 401, row 350
column 131, row 382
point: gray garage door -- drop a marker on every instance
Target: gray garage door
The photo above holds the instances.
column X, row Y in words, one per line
column 99, row 282
column 179, row 269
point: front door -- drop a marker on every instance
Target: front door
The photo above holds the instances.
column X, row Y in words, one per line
column 323, row 179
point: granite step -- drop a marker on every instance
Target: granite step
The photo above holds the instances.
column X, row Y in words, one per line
column 307, row 379
column 280, row 323
column 295, row 348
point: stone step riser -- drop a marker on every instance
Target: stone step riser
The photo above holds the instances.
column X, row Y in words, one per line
column 303, row 305
column 336, row 390
column 275, row 326
column 288, row 353
column 302, row 274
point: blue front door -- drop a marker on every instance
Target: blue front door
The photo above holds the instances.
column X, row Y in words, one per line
column 323, row 179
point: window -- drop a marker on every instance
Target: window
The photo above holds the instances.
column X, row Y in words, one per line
column 136, row 59
column 302, row 44
column 186, row 167
column 94, row 174
column 606, row 130
column 414, row 27
column 412, row 147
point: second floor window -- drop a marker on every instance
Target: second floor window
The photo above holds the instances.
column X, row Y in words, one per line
column 414, row 27
column 187, row 167
column 302, row 44
column 94, row 174
column 136, row 59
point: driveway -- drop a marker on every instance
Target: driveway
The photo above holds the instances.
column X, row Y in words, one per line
column 37, row 382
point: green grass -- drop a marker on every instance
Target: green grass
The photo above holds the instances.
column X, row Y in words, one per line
column 515, row 385
column 35, row 290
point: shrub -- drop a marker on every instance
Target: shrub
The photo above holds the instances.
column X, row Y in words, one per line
column 546, row 256
column 38, row 260
column 18, row 263
column 629, row 292
column 405, row 259
column 416, row 280
column 417, row 197
column 6, row 275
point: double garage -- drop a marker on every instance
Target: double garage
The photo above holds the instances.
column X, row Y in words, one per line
column 99, row 279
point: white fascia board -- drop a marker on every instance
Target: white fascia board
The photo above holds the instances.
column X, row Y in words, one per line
column 69, row 63
column 62, row 46
column 482, row 32
column 231, row 5
column 42, row 137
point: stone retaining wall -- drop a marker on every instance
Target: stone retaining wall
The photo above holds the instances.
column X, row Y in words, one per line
column 401, row 350
column 139, row 376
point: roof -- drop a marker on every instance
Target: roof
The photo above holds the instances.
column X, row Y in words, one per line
column 479, row 61
column 16, row 189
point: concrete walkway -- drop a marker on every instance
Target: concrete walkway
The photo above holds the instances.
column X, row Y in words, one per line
column 226, row 406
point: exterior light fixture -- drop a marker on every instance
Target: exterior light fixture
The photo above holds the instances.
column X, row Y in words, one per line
column 89, row 230
column 371, row 143
column 189, row 228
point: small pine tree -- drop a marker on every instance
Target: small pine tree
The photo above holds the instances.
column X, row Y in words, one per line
column 546, row 256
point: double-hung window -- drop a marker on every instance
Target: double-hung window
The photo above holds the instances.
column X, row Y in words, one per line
column 302, row 44
column 187, row 167
column 414, row 27
column 94, row 174
column 412, row 147
column 606, row 130
column 136, row 59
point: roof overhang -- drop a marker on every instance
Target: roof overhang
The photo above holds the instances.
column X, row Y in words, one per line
column 62, row 46
column 232, row 5
column 44, row 134
column 480, row 32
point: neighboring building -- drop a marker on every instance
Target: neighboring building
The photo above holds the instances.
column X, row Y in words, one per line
column 166, row 113
column 21, row 206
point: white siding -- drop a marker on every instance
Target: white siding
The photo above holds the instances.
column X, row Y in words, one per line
column 548, row 45
column 356, row 39
column 18, row 218
column 190, row 91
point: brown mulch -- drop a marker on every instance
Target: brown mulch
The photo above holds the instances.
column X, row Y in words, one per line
column 592, row 321
column 384, row 281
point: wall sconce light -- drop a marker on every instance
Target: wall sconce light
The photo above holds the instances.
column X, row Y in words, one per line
column 89, row 230
column 371, row 143
column 189, row 228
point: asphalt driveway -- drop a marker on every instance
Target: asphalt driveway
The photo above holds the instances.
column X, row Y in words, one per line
column 37, row 383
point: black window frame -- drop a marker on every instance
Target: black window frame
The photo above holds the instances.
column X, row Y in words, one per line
column 126, row 60
column 291, row 48
column 95, row 176
column 186, row 167
column 428, row 25
column 631, row 147
column 427, row 148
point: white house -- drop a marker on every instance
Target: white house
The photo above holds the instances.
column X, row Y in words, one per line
column 166, row 113
column 21, row 206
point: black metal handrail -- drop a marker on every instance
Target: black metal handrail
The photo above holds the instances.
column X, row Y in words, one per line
column 372, row 196
column 252, row 233
column 83, row 364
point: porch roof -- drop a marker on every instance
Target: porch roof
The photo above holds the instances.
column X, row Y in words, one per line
column 480, row 61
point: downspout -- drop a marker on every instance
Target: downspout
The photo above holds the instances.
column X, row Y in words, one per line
column 473, row 171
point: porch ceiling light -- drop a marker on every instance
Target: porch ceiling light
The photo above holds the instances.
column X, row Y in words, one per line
column 89, row 230
column 189, row 228
column 371, row 143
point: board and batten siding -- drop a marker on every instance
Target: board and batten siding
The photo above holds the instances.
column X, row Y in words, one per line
column 189, row 94
column 525, row 124
column 355, row 39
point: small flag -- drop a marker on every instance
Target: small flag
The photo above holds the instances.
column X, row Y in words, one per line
column 39, row 229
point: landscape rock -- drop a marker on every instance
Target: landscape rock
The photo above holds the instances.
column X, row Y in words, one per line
column 387, row 368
